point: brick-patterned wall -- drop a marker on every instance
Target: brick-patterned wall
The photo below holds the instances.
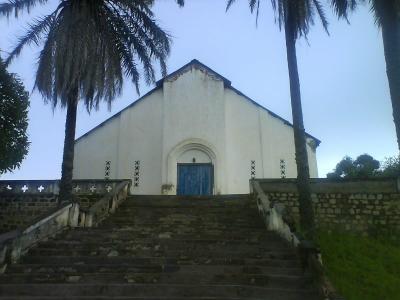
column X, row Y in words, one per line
column 364, row 206
column 18, row 210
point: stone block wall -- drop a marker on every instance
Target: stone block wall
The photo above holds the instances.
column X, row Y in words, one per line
column 21, row 201
column 18, row 210
column 362, row 206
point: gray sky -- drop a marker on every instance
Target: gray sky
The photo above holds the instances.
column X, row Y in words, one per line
column 345, row 93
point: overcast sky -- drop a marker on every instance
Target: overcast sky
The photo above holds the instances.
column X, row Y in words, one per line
column 344, row 87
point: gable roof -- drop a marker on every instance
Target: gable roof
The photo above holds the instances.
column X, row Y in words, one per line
column 196, row 63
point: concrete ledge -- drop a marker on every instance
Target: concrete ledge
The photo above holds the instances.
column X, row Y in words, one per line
column 324, row 185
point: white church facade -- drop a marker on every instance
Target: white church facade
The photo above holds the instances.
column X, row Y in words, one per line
column 192, row 134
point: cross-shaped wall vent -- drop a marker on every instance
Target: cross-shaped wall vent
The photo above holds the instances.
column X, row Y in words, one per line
column 136, row 173
column 253, row 169
column 24, row 188
column 107, row 169
column 282, row 166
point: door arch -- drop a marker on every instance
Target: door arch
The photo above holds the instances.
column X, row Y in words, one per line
column 183, row 153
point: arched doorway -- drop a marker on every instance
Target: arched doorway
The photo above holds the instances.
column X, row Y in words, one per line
column 195, row 173
column 192, row 168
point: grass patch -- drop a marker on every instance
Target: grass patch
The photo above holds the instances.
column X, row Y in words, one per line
column 362, row 268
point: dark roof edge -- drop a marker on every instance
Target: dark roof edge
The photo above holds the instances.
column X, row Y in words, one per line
column 226, row 81
column 286, row 122
column 118, row 113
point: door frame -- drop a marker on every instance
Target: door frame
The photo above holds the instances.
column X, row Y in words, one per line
column 195, row 164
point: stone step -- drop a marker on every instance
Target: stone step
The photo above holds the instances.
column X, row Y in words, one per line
column 137, row 219
column 269, row 280
column 200, row 211
column 156, row 291
column 204, row 232
column 243, row 227
column 116, row 237
column 163, row 240
column 130, row 298
column 210, row 251
column 187, row 202
column 76, row 269
column 144, row 261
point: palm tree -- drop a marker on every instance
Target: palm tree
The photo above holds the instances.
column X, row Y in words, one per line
column 89, row 46
column 387, row 17
column 295, row 17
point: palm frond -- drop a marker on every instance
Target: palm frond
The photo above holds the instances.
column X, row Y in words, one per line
column 180, row 2
column 33, row 35
column 16, row 6
column 300, row 14
column 91, row 46
column 385, row 10
column 343, row 7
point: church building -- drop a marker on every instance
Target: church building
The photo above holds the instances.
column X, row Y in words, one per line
column 193, row 134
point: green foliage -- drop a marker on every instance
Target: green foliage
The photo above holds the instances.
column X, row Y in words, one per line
column 361, row 268
column 14, row 103
column 364, row 166
column 91, row 46
column 391, row 167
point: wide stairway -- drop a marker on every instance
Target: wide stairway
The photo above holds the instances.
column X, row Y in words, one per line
column 164, row 248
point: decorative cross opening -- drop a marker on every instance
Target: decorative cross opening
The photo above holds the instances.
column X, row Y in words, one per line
column 253, row 169
column 136, row 173
column 24, row 188
column 77, row 189
column 108, row 188
column 107, row 169
column 40, row 188
column 92, row 188
column 282, row 166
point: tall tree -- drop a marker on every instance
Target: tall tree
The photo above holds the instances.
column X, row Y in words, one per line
column 387, row 17
column 89, row 46
column 296, row 17
column 14, row 103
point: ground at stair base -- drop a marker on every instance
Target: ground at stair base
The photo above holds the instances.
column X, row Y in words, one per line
column 164, row 248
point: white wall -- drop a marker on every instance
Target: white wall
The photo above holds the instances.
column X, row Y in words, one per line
column 93, row 150
column 141, row 132
column 193, row 110
column 192, row 115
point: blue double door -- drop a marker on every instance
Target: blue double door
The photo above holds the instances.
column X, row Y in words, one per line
column 195, row 179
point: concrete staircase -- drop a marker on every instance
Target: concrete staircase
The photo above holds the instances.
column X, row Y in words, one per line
column 164, row 248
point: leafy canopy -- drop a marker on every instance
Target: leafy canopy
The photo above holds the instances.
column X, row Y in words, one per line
column 89, row 46
column 366, row 166
column 14, row 103
column 391, row 167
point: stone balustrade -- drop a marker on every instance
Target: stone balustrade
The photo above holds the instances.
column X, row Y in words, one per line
column 83, row 186
column 14, row 244
column 273, row 216
column 23, row 200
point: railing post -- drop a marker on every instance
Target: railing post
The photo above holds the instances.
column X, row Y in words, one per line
column 73, row 218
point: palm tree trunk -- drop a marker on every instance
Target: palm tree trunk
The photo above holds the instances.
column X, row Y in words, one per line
column 68, row 155
column 307, row 221
column 391, row 43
